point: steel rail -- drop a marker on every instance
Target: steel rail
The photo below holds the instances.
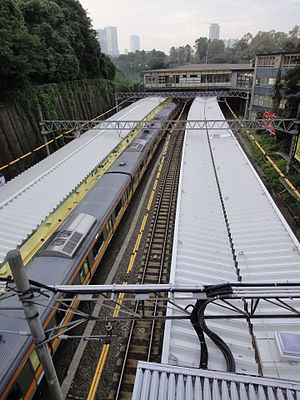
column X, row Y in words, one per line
column 159, row 203
column 162, row 260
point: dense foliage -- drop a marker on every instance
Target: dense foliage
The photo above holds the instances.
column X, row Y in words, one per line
column 209, row 51
column 135, row 63
column 292, row 90
column 244, row 49
column 48, row 41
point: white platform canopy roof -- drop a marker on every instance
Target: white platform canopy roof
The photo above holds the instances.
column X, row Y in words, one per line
column 265, row 248
column 27, row 200
column 162, row 382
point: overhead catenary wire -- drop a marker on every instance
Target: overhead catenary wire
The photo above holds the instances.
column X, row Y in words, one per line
column 5, row 166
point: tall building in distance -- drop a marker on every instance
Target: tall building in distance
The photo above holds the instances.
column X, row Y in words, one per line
column 134, row 43
column 108, row 39
column 101, row 36
column 214, row 31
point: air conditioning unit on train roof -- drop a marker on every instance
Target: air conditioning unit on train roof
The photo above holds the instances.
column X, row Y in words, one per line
column 70, row 236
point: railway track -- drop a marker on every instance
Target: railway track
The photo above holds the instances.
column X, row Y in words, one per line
column 145, row 337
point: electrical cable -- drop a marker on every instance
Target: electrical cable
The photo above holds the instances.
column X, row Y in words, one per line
column 200, row 309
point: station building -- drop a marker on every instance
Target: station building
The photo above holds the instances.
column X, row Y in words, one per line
column 201, row 76
column 266, row 70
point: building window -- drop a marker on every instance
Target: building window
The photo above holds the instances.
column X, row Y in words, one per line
column 263, row 101
column 291, row 61
column 266, row 61
column 265, row 81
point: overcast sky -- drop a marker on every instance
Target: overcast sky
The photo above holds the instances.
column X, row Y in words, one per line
column 165, row 23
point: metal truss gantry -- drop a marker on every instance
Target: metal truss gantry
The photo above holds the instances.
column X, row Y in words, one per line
column 284, row 296
column 285, row 125
column 239, row 93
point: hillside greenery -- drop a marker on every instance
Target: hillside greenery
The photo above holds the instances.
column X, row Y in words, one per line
column 48, row 41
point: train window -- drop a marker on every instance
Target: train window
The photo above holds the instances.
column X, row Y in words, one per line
column 118, row 208
column 98, row 245
column 86, row 266
column 125, row 196
column 15, row 394
column 84, row 271
column 34, row 359
column 109, row 225
column 82, row 276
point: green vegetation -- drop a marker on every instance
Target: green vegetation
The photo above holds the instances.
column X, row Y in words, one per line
column 243, row 51
column 274, row 147
column 133, row 64
column 292, row 90
column 48, row 41
column 205, row 50
column 122, row 83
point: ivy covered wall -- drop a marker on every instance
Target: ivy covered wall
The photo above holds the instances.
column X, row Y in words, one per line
column 19, row 116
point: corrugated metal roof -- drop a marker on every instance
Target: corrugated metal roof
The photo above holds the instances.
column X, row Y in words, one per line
column 27, row 200
column 265, row 247
column 162, row 382
column 205, row 67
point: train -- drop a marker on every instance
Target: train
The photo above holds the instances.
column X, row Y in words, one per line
column 71, row 256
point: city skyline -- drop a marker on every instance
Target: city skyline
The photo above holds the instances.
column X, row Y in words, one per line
column 171, row 23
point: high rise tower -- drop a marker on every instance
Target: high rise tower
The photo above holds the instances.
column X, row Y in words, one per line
column 214, row 31
column 134, row 43
column 108, row 39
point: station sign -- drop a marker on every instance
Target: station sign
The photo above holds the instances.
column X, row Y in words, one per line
column 268, row 116
column 2, row 180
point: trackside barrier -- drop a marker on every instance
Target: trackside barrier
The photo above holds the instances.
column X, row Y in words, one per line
column 268, row 158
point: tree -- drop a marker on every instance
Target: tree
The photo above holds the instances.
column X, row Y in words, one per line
column 277, row 93
column 45, row 41
column 292, row 90
column 17, row 47
column 173, row 56
column 215, row 52
column 201, row 49
column 188, row 53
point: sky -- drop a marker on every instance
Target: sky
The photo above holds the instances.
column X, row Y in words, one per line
column 162, row 24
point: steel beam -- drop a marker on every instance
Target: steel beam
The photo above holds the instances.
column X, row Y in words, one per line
column 187, row 94
column 284, row 125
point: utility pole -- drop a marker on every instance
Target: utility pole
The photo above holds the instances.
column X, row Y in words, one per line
column 32, row 316
column 42, row 129
column 295, row 133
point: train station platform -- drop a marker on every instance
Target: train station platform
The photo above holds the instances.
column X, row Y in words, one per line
column 28, row 200
column 228, row 229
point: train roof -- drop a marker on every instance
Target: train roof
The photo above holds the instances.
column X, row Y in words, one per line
column 53, row 265
column 265, row 247
column 54, row 269
column 23, row 204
